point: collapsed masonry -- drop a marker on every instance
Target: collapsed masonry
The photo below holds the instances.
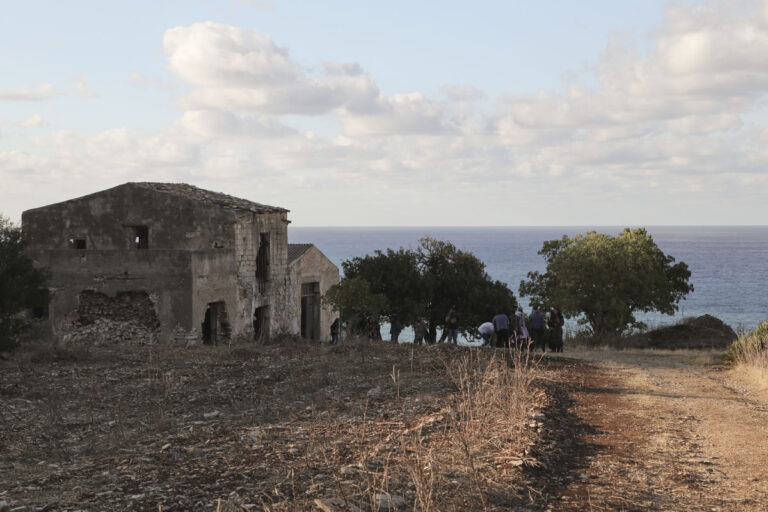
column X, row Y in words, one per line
column 173, row 263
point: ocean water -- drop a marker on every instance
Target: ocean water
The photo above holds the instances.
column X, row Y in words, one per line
column 729, row 264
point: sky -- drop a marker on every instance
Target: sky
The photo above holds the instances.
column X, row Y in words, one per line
column 362, row 113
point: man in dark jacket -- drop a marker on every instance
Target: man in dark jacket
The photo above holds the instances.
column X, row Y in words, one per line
column 536, row 328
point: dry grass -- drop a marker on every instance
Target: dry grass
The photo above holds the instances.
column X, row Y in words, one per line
column 273, row 427
column 749, row 356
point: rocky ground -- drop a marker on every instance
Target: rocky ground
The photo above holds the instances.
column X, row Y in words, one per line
column 292, row 427
column 372, row 426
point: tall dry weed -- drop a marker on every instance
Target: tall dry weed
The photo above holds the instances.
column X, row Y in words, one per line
column 749, row 355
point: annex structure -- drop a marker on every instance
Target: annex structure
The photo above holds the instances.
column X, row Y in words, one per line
column 173, row 263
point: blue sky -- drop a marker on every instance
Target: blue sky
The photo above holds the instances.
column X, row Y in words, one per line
column 362, row 113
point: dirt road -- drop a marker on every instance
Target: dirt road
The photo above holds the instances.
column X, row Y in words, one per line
column 661, row 431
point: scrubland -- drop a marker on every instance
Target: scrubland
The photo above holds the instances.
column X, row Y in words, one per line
column 294, row 426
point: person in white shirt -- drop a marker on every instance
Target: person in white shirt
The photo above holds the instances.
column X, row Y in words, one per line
column 486, row 331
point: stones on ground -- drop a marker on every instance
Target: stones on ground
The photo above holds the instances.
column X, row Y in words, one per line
column 335, row 505
column 386, row 501
column 211, row 415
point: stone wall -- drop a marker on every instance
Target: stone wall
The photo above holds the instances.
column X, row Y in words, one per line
column 108, row 285
column 128, row 306
column 311, row 267
column 197, row 252
column 252, row 293
column 106, row 221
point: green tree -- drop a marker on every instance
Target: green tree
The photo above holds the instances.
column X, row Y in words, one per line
column 355, row 301
column 608, row 279
column 395, row 275
column 422, row 285
column 22, row 286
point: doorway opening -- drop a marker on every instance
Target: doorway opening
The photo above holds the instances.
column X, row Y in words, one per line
column 261, row 323
column 215, row 328
column 310, row 311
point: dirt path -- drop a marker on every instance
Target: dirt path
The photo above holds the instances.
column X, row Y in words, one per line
column 662, row 431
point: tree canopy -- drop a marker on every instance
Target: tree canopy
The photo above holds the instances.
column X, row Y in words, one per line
column 355, row 300
column 22, row 286
column 608, row 279
column 422, row 285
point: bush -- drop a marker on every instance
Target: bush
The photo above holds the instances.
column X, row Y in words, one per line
column 22, row 286
column 751, row 348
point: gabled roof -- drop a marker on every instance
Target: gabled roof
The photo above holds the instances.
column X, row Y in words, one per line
column 295, row 251
column 207, row 196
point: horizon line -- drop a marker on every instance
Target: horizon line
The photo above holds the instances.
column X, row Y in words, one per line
column 390, row 226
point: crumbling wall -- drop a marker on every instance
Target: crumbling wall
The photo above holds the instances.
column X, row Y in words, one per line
column 252, row 293
column 127, row 318
column 102, row 290
column 127, row 306
column 103, row 331
column 215, row 280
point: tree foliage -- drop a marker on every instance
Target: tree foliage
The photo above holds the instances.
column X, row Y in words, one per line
column 354, row 299
column 22, row 286
column 422, row 285
column 608, row 279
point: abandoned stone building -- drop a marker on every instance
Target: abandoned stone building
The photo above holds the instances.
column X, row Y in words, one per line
column 173, row 263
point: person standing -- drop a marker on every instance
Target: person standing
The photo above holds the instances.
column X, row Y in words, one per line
column 536, row 323
column 335, row 331
column 373, row 328
column 452, row 325
column 521, row 330
column 395, row 327
column 501, row 326
column 419, row 332
column 486, row 332
column 556, row 322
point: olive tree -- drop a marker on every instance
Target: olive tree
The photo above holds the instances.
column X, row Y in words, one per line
column 605, row 280
column 422, row 285
column 355, row 301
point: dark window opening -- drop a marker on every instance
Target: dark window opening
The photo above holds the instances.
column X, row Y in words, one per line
column 40, row 312
column 262, row 262
column 141, row 237
column 77, row 243
column 310, row 311
column 215, row 328
column 261, row 323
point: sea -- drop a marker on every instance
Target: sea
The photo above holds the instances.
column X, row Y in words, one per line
column 728, row 264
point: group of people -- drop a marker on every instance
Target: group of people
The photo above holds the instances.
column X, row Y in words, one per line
column 503, row 331
column 519, row 331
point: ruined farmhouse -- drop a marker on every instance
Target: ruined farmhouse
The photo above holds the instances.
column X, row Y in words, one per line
column 173, row 263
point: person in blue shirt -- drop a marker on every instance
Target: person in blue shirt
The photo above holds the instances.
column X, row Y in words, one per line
column 501, row 325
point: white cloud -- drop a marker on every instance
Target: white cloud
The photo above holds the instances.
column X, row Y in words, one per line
column 35, row 121
column 41, row 92
column 684, row 120
column 244, row 71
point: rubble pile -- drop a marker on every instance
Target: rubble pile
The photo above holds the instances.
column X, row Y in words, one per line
column 103, row 331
